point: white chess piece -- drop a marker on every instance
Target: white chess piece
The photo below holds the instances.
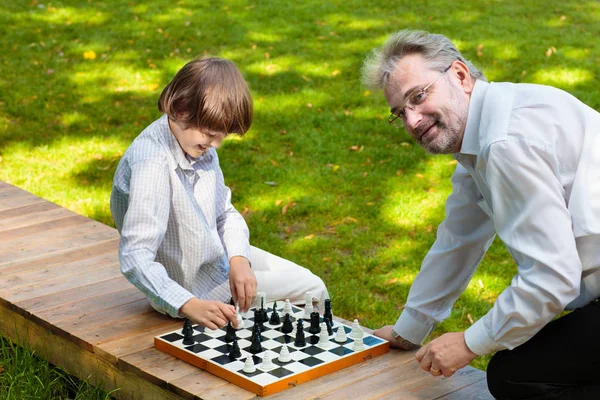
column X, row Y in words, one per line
column 284, row 354
column 259, row 297
column 308, row 305
column 209, row 332
column 324, row 337
column 287, row 307
column 340, row 336
column 249, row 365
column 358, row 344
column 355, row 330
column 240, row 320
column 267, row 363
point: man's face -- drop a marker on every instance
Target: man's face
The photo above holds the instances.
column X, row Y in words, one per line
column 438, row 123
column 194, row 141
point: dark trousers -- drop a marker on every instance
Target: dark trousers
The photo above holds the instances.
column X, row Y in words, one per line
column 562, row 361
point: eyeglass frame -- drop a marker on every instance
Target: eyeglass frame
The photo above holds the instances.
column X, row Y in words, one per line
column 392, row 119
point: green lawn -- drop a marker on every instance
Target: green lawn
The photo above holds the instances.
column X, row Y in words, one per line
column 321, row 178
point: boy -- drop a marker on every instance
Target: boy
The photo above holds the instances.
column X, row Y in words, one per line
column 183, row 244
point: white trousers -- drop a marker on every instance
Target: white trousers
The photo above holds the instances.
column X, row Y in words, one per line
column 282, row 279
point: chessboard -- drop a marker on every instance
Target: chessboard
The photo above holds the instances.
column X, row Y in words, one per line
column 262, row 372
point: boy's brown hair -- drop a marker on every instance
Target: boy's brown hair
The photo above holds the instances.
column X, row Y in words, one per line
column 209, row 93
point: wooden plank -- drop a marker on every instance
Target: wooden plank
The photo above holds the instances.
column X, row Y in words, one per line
column 194, row 386
column 75, row 294
column 116, row 349
column 61, row 257
column 81, row 309
column 52, row 227
column 18, row 224
column 42, row 274
column 17, row 198
column 476, row 391
column 14, row 214
column 49, row 242
column 83, row 364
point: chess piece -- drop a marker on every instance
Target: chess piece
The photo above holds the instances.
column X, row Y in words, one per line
column 358, row 344
column 267, row 363
column 300, row 340
column 329, row 326
column 287, row 308
column 308, row 305
column 230, row 333
column 187, row 326
column 314, row 323
column 240, row 320
column 287, row 326
column 249, row 367
column 188, row 336
column 324, row 337
column 284, row 354
column 210, row 332
column 274, row 320
column 355, row 330
column 235, row 349
column 256, row 346
column 256, row 331
column 327, row 313
column 340, row 336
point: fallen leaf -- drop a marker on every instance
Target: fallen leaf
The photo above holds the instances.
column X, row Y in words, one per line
column 335, row 168
column 335, row 72
column 309, row 105
column 326, row 258
column 563, row 17
column 309, row 237
column 452, row 162
column 480, row 50
column 283, row 131
column 470, row 319
column 267, row 56
column 89, row 55
column 365, row 174
column 420, row 176
column 278, row 202
column 366, row 93
column 275, row 163
column 399, row 172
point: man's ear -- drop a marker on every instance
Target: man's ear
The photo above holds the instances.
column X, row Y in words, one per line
column 463, row 74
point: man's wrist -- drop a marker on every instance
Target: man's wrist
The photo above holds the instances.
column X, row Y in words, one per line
column 403, row 343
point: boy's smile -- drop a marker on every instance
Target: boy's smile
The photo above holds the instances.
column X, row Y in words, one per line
column 193, row 141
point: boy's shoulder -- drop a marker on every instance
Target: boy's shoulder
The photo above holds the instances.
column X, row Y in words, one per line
column 151, row 145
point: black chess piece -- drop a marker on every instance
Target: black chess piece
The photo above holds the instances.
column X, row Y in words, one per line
column 259, row 318
column 300, row 340
column 230, row 335
column 314, row 323
column 255, row 347
column 256, row 330
column 235, row 350
column 287, row 326
column 329, row 325
column 187, row 326
column 274, row 320
column 327, row 313
column 188, row 336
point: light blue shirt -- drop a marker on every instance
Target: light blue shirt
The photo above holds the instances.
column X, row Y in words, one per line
column 529, row 171
column 177, row 224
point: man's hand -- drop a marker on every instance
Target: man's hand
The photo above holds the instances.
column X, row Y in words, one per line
column 446, row 354
column 209, row 313
column 242, row 282
column 398, row 343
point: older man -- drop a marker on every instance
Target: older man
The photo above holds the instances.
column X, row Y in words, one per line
column 529, row 171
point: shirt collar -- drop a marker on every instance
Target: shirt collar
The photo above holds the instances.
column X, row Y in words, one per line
column 470, row 142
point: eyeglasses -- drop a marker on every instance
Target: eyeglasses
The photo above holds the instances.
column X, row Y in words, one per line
column 414, row 100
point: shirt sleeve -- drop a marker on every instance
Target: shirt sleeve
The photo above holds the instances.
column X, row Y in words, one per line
column 231, row 226
column 533, row 221
column 462, row 240
column 143, row 231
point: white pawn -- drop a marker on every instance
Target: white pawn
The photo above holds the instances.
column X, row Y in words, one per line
column 267, row 364
column 356, row 330
column 340, row 336
column 324, row 337
column 240, row 320
column 308, row 306
column 249, row 365
column 284, row 354
column 209, row 331
column 259, row 297
column 358, row 344
column 287, row 307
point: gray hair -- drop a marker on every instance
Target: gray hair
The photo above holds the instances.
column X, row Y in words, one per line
column 435, row 48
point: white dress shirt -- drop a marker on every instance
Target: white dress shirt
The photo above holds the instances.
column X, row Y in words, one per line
column 529, row 171
column 177, row 224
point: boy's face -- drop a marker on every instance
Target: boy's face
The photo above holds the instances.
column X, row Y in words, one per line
column 194, row 141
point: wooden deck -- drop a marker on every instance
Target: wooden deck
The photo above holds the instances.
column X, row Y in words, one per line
column 62, row 294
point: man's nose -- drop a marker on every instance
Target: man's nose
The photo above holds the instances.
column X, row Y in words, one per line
column 413, row 118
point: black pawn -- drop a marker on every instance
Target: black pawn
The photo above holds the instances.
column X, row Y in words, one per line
column 327, row 312
column 274, row 316
column 256, row 331
column 300, row 340
column 235, row 350
column 188, row 337
column 230, row 335
column 258, row 317
column 314, row 323
column 255, row 347
column 187, row 327
column 329, row 326
column 287, row 326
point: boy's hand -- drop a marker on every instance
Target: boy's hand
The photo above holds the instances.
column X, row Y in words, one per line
column 209, row 313
column 242, row 282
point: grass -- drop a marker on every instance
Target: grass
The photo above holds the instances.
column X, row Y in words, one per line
column 321, row 178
